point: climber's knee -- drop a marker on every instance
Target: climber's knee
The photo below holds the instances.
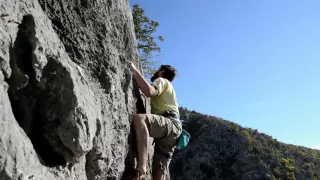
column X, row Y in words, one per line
column 139, row 120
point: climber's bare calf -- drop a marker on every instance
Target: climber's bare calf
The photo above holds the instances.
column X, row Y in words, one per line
column 142, row 139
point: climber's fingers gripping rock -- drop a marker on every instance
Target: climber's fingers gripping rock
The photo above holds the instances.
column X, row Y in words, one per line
column 131, row 65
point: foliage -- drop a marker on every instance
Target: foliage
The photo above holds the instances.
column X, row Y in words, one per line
column 232, row 151
column 144, row 30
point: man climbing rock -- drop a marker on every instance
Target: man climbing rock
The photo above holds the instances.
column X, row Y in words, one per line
column 163, row 124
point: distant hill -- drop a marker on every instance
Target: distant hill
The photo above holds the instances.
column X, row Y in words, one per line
column 221, row 149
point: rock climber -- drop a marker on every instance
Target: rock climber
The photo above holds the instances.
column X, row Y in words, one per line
column 162, row 124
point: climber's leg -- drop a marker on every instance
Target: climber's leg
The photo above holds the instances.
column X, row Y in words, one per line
column 157, row 127
column 161, row 162
column 142, row 139
column 166, row 131
column 158, row 174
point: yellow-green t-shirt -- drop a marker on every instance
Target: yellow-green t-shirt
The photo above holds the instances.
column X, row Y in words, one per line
column 166, row 98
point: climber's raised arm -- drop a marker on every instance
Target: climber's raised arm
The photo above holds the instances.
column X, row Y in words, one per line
column 147, row 89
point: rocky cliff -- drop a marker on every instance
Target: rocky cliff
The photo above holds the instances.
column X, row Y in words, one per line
column 221, row 149
column 67, row 97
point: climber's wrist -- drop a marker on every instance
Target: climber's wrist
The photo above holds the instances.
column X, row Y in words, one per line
column 134, row 71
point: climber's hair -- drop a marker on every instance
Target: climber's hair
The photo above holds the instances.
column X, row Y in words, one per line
column 169, row 72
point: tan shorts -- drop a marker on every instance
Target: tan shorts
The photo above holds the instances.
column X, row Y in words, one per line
column 164, row 147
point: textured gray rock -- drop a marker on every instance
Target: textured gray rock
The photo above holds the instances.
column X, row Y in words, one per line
column 67, row 97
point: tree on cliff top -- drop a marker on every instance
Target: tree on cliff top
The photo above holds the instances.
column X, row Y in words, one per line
column 144, row 29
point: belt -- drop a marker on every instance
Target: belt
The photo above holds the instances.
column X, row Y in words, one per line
column 171, row 114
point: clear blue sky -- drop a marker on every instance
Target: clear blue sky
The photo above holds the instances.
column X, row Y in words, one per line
column 256, row 63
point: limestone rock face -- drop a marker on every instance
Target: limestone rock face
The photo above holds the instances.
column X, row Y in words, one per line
column 67, row 97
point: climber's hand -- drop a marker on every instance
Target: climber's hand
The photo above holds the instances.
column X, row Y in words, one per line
column 131, row 65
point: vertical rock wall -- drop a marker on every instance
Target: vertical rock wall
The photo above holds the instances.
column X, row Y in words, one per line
column 67, row 97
